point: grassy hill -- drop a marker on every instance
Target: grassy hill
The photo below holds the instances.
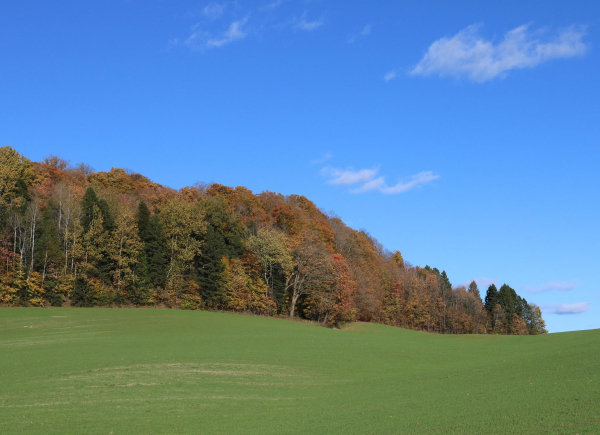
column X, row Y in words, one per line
column 138, row 371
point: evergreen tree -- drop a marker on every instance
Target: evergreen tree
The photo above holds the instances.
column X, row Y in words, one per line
column 474, row 290
column 209, row 266
column 155, row 252
column 80, row 296
column 445, row 285
column 491, row 298
column 143, row 221
column 89, row 203
column 152, row 267
column 507, row 298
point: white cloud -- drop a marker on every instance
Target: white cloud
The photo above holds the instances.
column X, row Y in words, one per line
column 369, row 181
column 214, row 10
column 235, row 32
column 321, row 159
column 363, row 33
column 308, row 26
column 578, row 308
column 200, row 39
column 389, row 76
column 467, row 54
column 272, row 5
column 401, row 187
column 349, row 176
column 562, row 286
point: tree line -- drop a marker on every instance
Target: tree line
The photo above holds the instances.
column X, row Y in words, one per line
column 70, row 236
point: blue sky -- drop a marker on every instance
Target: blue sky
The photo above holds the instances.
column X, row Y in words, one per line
column 464, row 134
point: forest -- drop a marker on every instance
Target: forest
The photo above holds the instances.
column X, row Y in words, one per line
column 70, row 236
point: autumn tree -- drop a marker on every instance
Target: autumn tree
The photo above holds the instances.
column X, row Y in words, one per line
column 271, row 249
column 311, row 268
column 535, row 323
column 184, row 230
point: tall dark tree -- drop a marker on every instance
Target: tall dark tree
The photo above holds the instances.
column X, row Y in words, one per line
column 219, row 215
column 209, row 266
column 89, row 203
column 143, row 221
column 153, row 261
column 507, row 298
column 445, row 285
column 81, row 294
column 474, row 290
column 491, row 298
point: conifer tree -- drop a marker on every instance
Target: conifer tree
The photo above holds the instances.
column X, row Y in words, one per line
column 209, row 266
column 474, row 290
column 152, row 264
column 507, row 298
column 491, row 298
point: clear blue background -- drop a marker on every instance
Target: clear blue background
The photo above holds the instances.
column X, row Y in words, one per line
column 113, row 83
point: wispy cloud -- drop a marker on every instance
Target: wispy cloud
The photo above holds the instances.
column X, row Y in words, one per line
column 467, row 54
column 368, row 180
column 272, row 5
column 321, row 159
column 235, row 32
column 401, row 187
column 200, row 39
column 562, row 286
column 349, row 176
column 303, row 24
column 390, row 76
column 214, row 10
column 362, row 34
column 578, row 308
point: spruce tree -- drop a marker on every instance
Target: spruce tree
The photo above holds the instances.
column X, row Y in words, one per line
column 474, row 290
column 88, row 204
column 143, row 221
column 445, row 285
column 155, row 252
column 507, row 298
column 209, row 266
column 80, row 296
column 491, row 298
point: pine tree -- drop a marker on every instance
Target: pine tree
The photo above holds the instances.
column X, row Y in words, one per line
column 507, row 297
column 155, row 252
column 491, row 298
column 143, row 221
column 152, row 266
column 209, row 266
column 474, row 290
column 81, row 295
column 89, row 203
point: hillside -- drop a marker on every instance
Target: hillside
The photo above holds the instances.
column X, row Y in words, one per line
column 132, row 371
column 70, row 236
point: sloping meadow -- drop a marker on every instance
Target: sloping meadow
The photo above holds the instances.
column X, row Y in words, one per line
column 142, row 371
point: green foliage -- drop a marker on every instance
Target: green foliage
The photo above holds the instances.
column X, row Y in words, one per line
column 209, row 266
column 81, row 295
column 491, row 298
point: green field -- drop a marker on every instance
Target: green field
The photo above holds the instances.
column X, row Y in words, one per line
column 142, row 371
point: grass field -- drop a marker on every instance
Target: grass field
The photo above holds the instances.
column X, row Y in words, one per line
column 142, row 371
